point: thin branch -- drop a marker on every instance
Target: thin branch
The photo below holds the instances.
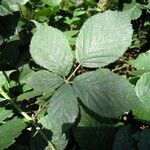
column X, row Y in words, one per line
column 73, row 73
column 44, row 106
column 119, row 68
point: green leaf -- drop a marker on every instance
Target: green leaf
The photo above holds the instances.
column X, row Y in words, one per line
column 52, row 2
column 71, row 36
column 142, row 62
column 143, row 89
column 9, row 131
column 123, row 139
column 143, row 92
column 103, row 38
column 4, row 113
column 2, row 79
column 25, row 72
column 44, row 80
column 3, row 76
column 4, row 11
column 2, row 99
column 56, row 53
column 91, row 134
column 28, row 95
column 7, row 7
column 63, row 107
column 58, row 139
column 133, row 9
column 148, row 6
column 46, row 11
column 106, row 93
column 144, row 140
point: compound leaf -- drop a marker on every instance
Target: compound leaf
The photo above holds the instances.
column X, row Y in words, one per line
column 103, row 38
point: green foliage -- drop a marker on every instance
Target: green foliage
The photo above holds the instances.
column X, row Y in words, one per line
column 133, row 9
column 10, row 6
column 64, row 107
column 119, row 98
column 10, row 130
column 142, row 62
column 55, row 57
column 89, row 127
column 60, row 75
column 97, row 44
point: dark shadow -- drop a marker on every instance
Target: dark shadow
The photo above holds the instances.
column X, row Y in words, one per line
column 8, row 24
column 38, row 143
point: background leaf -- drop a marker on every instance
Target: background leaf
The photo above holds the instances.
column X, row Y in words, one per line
column 143, row 89
column 10, row 130
column 143, row 92
column 52, row 2
column 142, row 62
column 4, row 113
column 133, row 9
column 143, row 140
column 12, row 5
column 103, row 38
column 124, row 138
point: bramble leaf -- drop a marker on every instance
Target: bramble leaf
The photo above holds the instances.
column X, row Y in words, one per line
column 44, row 80
column 4, row 113
column 10, row 6
column 103, row 38
column 63, row 107
column 143, row 140
column 10, row 130
column 142, row 62
column 50, row 49
column 133, row 9
column 98, row 134
column 58, row 139
column 124, row 138
column 106, row 93
column 143, row 92
column 143, row 89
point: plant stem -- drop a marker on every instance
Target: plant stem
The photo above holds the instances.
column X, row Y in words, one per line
column 73, row 73
column 44, row 106
column 119, row 68
column 28, row 118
